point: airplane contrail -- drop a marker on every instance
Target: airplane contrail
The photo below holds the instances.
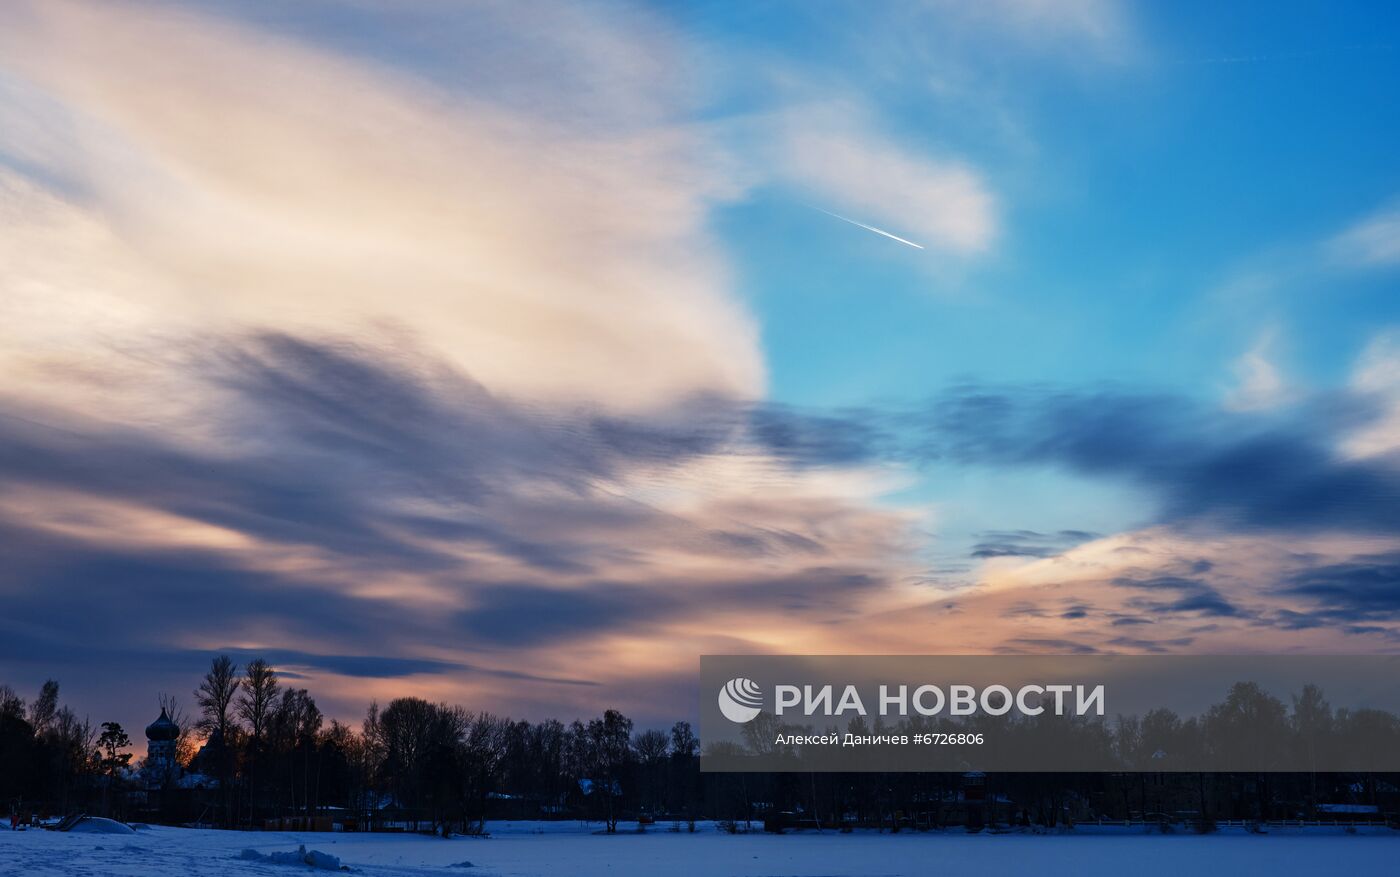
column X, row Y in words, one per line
column 893, row 237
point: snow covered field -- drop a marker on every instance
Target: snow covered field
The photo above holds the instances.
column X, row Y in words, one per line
column 571, row 849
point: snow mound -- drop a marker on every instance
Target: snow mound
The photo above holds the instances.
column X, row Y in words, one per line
column 98, row 825
column 313, row 858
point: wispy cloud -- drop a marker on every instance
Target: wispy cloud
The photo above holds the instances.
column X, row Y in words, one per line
column 1372, row 242
column 1376, row 378
column 830, row 151
column 485, row 228
column 364, row 494
column 1261, row 384
column 449, row 355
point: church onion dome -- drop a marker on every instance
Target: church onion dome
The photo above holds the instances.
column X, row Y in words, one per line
column 162, row 729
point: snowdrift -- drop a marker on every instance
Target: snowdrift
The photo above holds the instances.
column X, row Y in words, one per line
column 314, row 858
column 99, row 825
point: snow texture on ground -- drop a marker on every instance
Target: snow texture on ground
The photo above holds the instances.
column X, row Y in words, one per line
column 569, row 848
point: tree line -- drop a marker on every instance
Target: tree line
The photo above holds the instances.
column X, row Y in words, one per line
column 256, row 749
column 257, row 752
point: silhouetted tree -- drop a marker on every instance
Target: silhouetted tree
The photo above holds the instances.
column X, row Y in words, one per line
column 608, row 750
column 112, row 760
column 256, row 698
column 184, row 744
column 215, row 698
column 45, row 708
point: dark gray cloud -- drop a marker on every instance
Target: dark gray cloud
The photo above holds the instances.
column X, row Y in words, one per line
column 391, row 463
column 1027, row 543
column 1206, row 603
column 367, row 666
column 381, row 463
column 1152, row 646
column 325, row 439
column 67, row 601
column 328, row 431
column 525, row 614
column 843, row 437
column 1050, row 646
column 1365, row 589
column 1024, row 609
column 1239, row 471
column 1183, row 595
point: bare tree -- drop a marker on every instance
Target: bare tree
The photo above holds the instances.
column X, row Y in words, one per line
column 484, row 751
column 368, row 762
column 684, row 748
column 11, row 704
column 215, row 698
column 651, row 746
column 73, row 741
column 184, row 743
column 292, row 731
column 257, row 696
column 683, row 742
column 258, row 692
column 44, row 708
column 609, row 747
column 406, row 730
column 215, row 695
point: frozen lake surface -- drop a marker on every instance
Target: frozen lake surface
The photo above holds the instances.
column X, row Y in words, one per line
column 525, row 849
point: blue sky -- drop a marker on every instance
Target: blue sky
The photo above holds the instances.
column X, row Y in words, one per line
column 1159, row 210
column 511, row 354
column 1134, row 194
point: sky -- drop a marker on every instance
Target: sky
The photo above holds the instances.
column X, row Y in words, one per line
column 515, row 355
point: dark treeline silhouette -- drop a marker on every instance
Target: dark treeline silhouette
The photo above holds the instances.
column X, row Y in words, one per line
column 260, row 754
